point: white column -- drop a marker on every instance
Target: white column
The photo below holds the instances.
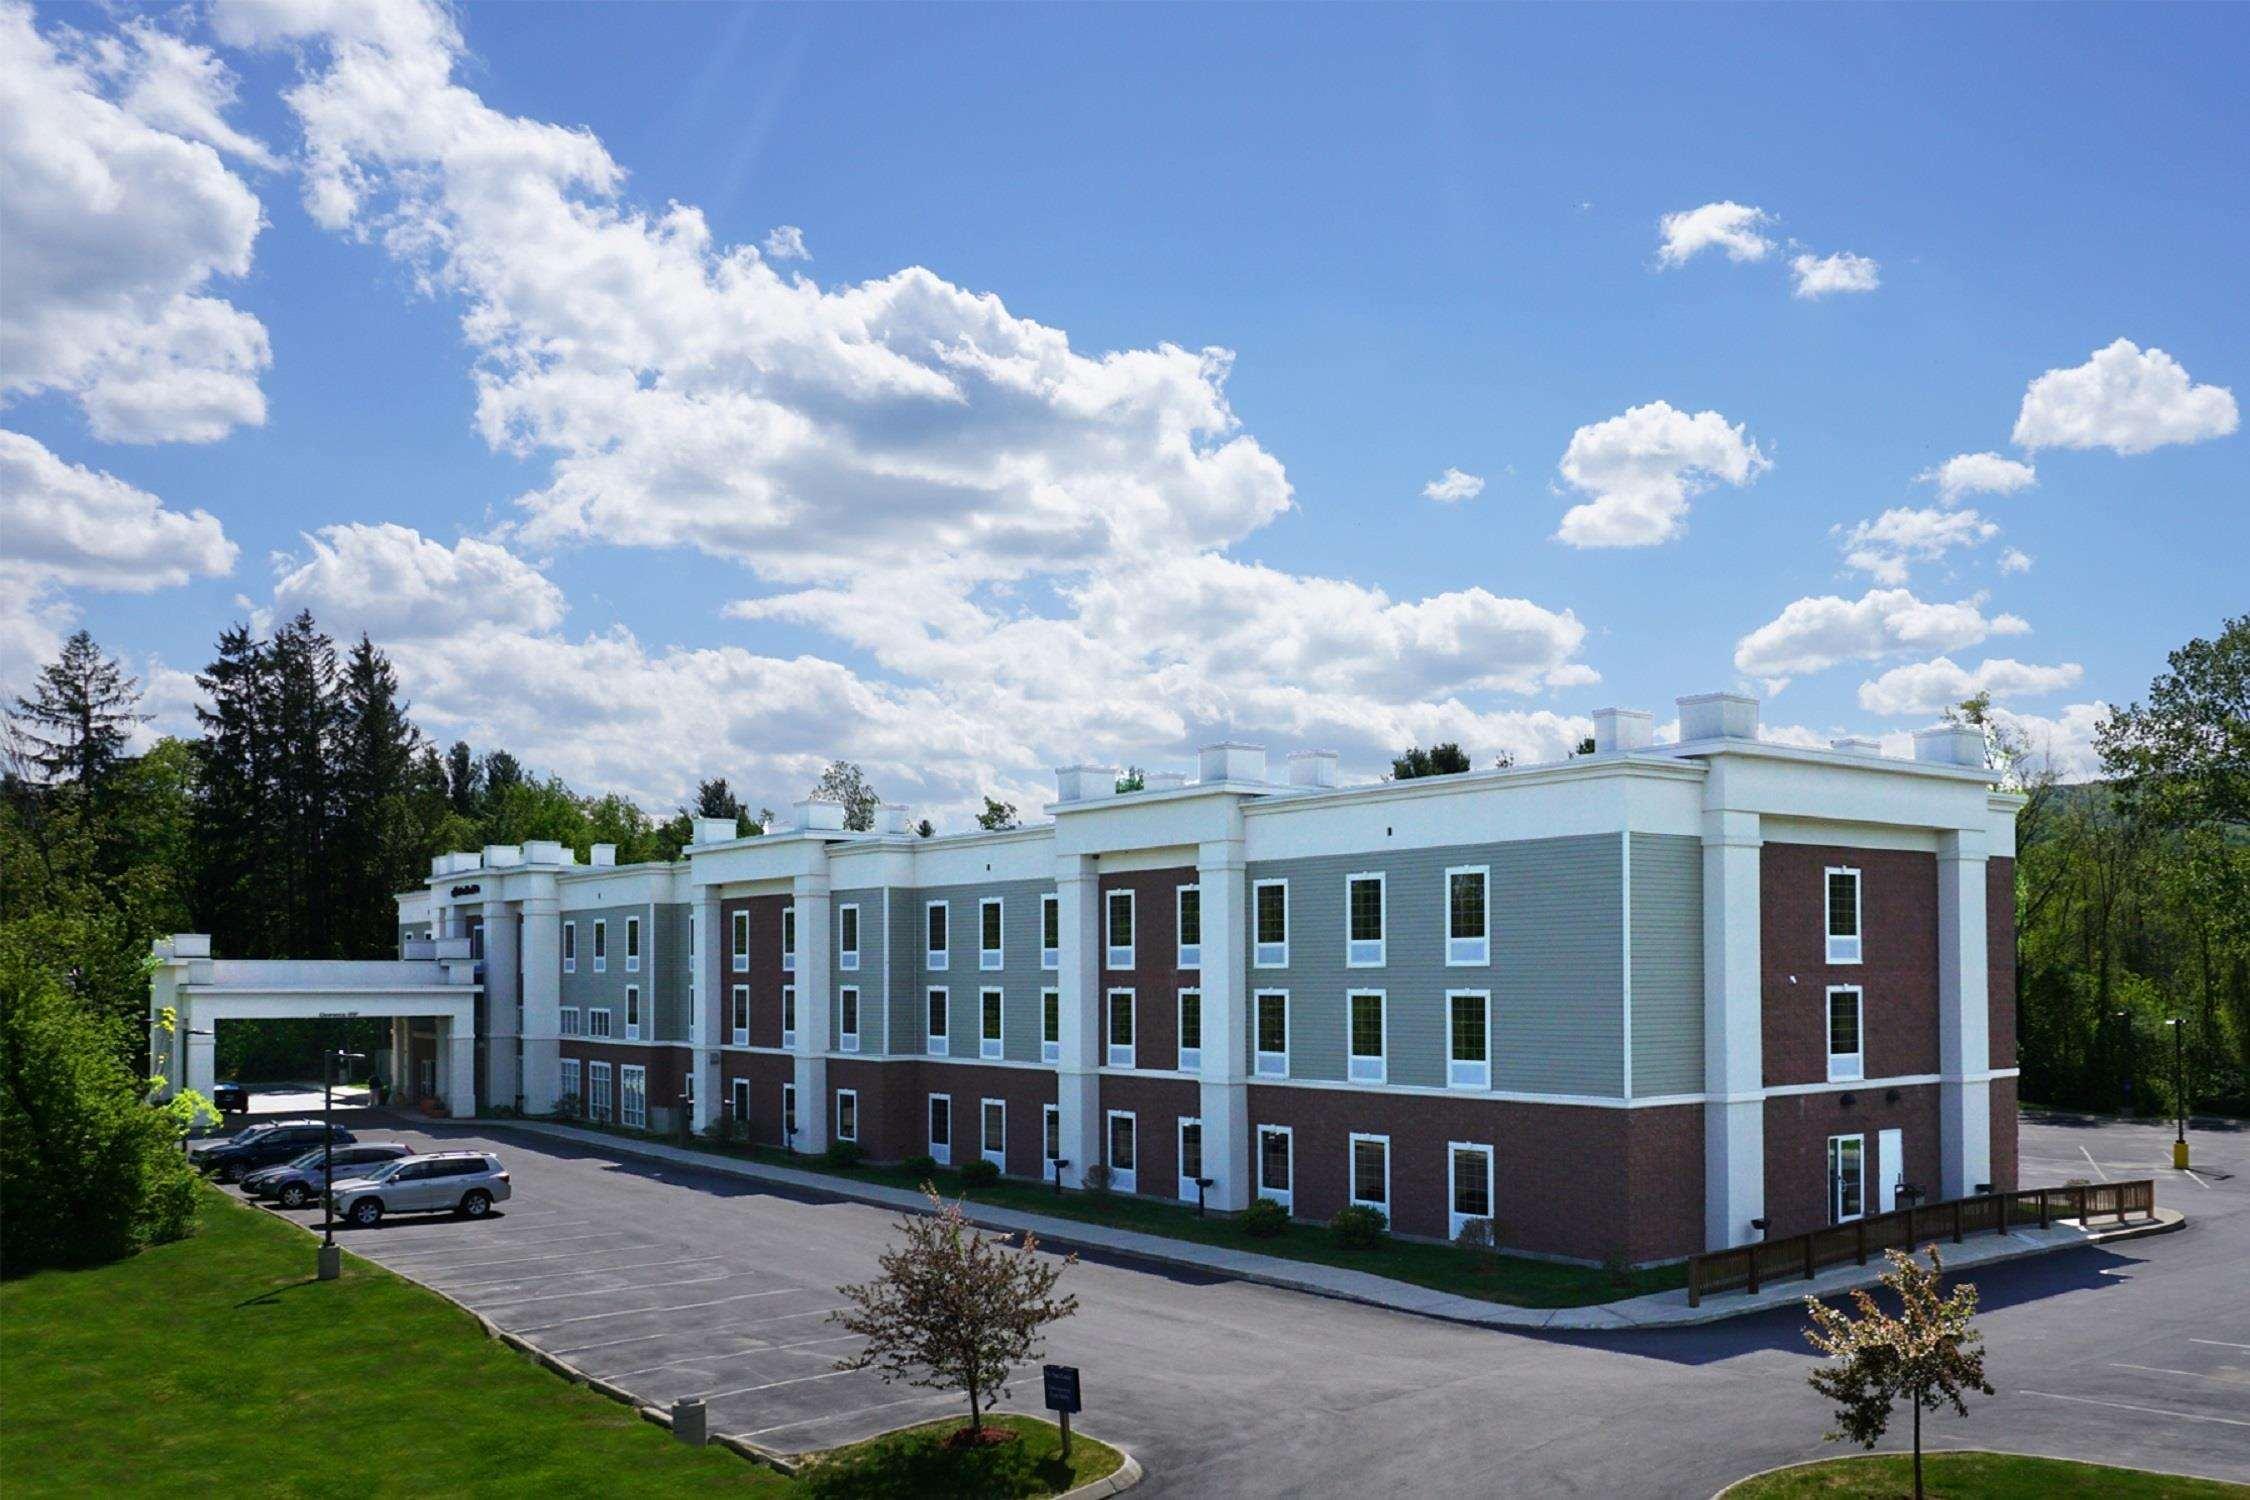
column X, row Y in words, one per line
column 1078, row 1093
column 541, row 944
column 815, row 1111
column 1225, row 1091
column 458, row 1049
column 1734, row 1119
column 1964, row 1016
column 707, row 997
column 202, row 1062
column 503, row 931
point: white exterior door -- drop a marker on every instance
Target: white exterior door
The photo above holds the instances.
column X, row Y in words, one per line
column 1890, row 1167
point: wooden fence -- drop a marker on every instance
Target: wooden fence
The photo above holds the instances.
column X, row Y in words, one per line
column 1748, row 1267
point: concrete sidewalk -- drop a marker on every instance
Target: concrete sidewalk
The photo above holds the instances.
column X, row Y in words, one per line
column 1656, row 1310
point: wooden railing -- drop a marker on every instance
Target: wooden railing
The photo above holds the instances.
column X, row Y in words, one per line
column 1747, row 1267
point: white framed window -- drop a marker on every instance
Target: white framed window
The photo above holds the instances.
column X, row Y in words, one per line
column 738, row 1021
column 632, row 1013
column 1269, row 921
column 567, row 1022
column 1120, row 1004
column 788, row 1015
column 1270, row 1032
column 1050, row 931
column 1847, row 1043
column 1847, row 1178
column 1842, row 888
column 601, row 947
column 1468, row 915
column 632, row 1096
column 569, row 1082
column 738, row 1101
column 1121, row 1139
column 1190, row 1157
column 597, row 1091
column 1468, row 1039
column 1117, row 929
column 847, row 1018
column 847, row 938
column 992, row 1132
column 1190, row 926
column 941, row 1129
column 1368, row 1167
column 936, row 936
column 989, row 1008
column 1277, row 1165
column 991, row 930
column 632, row 945
column 1365, row 1036
column 1050, row 1025
column 789, row 940
column 1050, row 1133
column 570, row 947
column 938, row 1011
column 598, row 1021
column 741, row 944
column 788, row 1112
column 1191, row 1031
column 1364, row 901
column 847, row 1114
column 1468, row 1189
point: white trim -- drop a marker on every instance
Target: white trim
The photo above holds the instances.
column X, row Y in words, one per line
column 936, row 1043
column 632, row 945
column 940, row 1151
column 847, row 1018
column 1050, row 1048
column 789, row 938
column 1265, row 955
column 570, row 947
column 738, row 1100
column 992, row 1046
column 1191, row 954
column 1114, row 1054
column 600, row 1101
column 996, row 957
column 998, row 1158
column 788, row 1018
column 789, row 1131
column 739, row 941
column 1844, row 1067
column 847, row 959
column 1285, row 1196
column 1118, row 955
column 1844, row 950
column 569, row 1022
column 738, row 1014
column 1836, row 1183
column 1050, row 1136
column 601, row 945
column 1180, row 1126
column 632, row 1013
column 937, row 958
column 1050, row 958
column 570, row 1080
column 1454, row 1218
column 1368, row 953
column 1625, row 957
column 1127, row 1179
column 1358, row 1067
column 841, row 1133
column 603, row 1026
column 1190, row 1058
column 632, row 1096
column 1268, row 1064
column 1464, row 953
column 1463, row 1076
column 1351, row 1172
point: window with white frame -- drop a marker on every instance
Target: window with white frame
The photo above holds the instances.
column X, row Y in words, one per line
column 1468, row 1039
column 1121, row 1028
column 1370, row 1166
column 569, row 1083
column 632, row 1096
column 1269, row 921
column 1363, row 918
column 738, row 1022
column 1364, row 1011
column 941, row 1129
column 1050, row 1132
column 1050, row 1025
column 738, row 1101
column 1123, row 1142
column 1050, row 931
column 989, row 1010
column 1468, row 915
column 936, row 937
column 597, row 1091
column 741, row 942
column 789, row 940
column 1846, row 1039
column 632, row 1013
column 1468, row 1185
column 993, row 1132
column 788, row 1015
column 847, row 1114
column 601, row 947
column 847, row 938
column 1190, row 1158
column 788, row 1111
column 1117, row 929
column 1276, row 1163
column 632, row 945
column 1843, row 915
column 1191, row 1031
column 1847, row 1178
column 567, row 1022
column 570, row 947
column 939, row 1014
column 1270, row 1030
column 598, row 1021
column 847, row 1018
column 1191, row 926
column 991, row 954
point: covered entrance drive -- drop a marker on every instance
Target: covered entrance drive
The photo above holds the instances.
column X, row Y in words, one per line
column 431, row 1004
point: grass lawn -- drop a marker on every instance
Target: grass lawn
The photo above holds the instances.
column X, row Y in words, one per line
column 914, row 1463
column 1984, row 1476
column 1513, row 1279
column 218, row 1360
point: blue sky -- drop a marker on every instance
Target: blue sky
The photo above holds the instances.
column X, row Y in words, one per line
column 1431, row 240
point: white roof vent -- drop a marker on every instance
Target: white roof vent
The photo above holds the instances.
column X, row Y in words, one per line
column 703, row 831
column 1312, row 767
column 1950, row 745
column 1856, row 744
column 502, row 856
column 602, row 855
column 1163, row 781
column 1623, row 729
column 1231, row 760
column 820, row 815
column 894, row 817
column 1078, row 783
column 1718, row 716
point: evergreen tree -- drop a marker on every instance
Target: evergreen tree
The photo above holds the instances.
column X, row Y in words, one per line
column 715, row 799
column 1445, row 759
column 464, row 781
column 376, row 848
column 305, row 706
column 74, row 724
column 500, row 772
column 233, row 775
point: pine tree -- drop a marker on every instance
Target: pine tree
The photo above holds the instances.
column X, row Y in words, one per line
column 304, row 705
column 233, row 777
column 75, row 723
column 376, row 851
column 464, row 781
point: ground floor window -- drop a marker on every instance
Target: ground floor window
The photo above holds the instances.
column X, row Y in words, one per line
column 1276, row 1169
column 847, row 1114
column 597, row 1091
column 1050, row 1131
column 632, row 1095
column 941, row 1129
column 1371, row 1171
column 1124, row 1154
column 570, row 1088
column 1469, row 1193
column 788, row 1112
column 1847, row 1177
column 995, row 1132
column 738, row 1099
column 1191, row 1159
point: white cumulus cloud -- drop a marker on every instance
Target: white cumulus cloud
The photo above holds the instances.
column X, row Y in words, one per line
column 1825, row 275
column 2125, row 399
column 1729, row 226
column 787, row 242
column 1642, row 467
column 1977, row 474
column 1929, row 687
column 1888, row 546
column 396, row 584
column 1814, row 634
column 2015, row 560
column 1453, row 486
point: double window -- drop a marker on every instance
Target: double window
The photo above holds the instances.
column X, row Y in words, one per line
column 1468, row 915
column 597, row 1091
column 1191, row 1031
column 632, row 1096
column 567, row 1022
column 992, row 1132
column 939, row 1015
column 632, row 945
column 597, row 1021
column 632, row 1013
column 601, row 947
column 847, row 1114
column 1468, row 1040
column 990, row 923
column 1363, row 920
column 741, row 942
column 1121, row 1028
column 1050, row 931
column 1117, row 928
column 847, row 1018
column 1270, row 1028
column 738, row 1021
column 1847, row 1177
column 570, row 947
column 1365, row 1022
column 789, row 940
column 1468, row 1186
column 788, row 1015
column 1847, row 1060
column 936, row 938
column 1843, row 915
column 1050, row 1025
column 941, row 1129
column 1191, row 926
column 988, row 1027
column 569, row 1085
column 1269, row 922
column 1370, row 1168
column 1276, row 1164
column 847, row 938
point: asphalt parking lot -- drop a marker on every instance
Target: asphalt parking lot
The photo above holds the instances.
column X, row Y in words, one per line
column 670, row 1282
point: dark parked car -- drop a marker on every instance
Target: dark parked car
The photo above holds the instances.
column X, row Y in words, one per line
column 302, row 1181
column 263, row 1146
column 230, row 1099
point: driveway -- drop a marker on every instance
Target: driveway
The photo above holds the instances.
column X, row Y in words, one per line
column 672, row 1282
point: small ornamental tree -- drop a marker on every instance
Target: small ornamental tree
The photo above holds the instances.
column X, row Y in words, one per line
column 1928, row 1354
column 955, row 1309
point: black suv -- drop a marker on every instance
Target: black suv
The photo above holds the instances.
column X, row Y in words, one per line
column 264, row 1146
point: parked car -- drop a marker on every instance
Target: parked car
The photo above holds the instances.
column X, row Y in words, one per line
column 463, row 1182
column 302, row 1181
column 263, row 1146
column 230, row 1098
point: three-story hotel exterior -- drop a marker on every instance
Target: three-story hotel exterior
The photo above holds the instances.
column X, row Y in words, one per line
column 1642, row 1002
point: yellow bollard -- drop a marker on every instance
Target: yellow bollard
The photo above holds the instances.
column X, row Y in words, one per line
column 2180, row 1155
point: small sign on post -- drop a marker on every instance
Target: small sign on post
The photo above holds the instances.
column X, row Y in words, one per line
column 1062, row 1398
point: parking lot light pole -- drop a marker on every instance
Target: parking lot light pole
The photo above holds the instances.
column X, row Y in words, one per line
column 331, row 1259
column 2179, row 1091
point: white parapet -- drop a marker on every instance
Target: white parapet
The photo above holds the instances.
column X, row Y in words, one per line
column 1718, row 716
column 1232, row 760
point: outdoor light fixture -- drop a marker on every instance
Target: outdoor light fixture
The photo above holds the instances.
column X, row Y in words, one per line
column 2179, row 1091
column 1060, row 1163
column 331, row 1262
column 1201, row 1184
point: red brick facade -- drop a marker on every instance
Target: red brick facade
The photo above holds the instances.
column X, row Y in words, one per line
column 1157, row 1106
column 1798, row 1127
column 1156, row 977
column 667, row 1071
column 764, row 976
column 1897, row 975
column 2000, row 965
column 2004, row 1176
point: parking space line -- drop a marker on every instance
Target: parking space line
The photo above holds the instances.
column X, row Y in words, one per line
column 2154, row 1411
column 2097, row 1166
column 845, row 1416
column 2190, row 1374
column 633, row 1312
column 599, row 1234
column 775, row 1385
column 638, row 1338
column 606, row 1291
column 518, row 1260
column 672, row 1364
column 642, row 1265
column 2221, row 1343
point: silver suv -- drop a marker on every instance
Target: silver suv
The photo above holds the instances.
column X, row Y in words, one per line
column 299, row 1182
column 462, row 1182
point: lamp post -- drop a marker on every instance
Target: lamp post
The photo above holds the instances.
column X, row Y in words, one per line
column 2125, row 1055
column 331, row 1258
column 2179, row 1091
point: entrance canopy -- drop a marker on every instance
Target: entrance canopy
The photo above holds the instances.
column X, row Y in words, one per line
column 199, row 991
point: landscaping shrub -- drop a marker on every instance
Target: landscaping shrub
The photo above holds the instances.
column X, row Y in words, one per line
column 979, row 1173
column 1264, row 1219
column 1096, row 1178
column 924, row 1165
column 846, row 1153
column 1359, row 1227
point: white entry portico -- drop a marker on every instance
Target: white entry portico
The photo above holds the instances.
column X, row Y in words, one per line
column 199, row 991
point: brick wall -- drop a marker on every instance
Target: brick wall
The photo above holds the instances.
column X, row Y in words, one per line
column 1898, row 974
column 765, row 976
column 1664, row 1182
column 1156, row 977
column 1797, row 1130
column 2000, row 953
column 1157, row 1105
column 767, row 1072
column 2005, row 1178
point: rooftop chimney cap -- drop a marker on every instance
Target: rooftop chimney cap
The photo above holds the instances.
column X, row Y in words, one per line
column 1950, row 745
column 1081, row 782
column 1718, row 716
column 1232, row 760
column 1312, row 767
column 1623, row 729
column 602, row 854
column 818, row 814
column 893, row 817
column 704, row 831
column 1163, row 781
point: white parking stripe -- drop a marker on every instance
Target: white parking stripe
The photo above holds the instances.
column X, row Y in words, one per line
column 2097, row 1166
column 564, row 1239
column 775, row 1385
column 638, row 1338
column 632, row 1312
column 845, row 1416
column 672, row 1364
column 643, row 1265
column 522, row 1260
column 2220, row 1343
column 2226, row 1379
column 599, row 1291
column 2154, row 1411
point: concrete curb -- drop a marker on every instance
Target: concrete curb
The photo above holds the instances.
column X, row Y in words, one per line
column 1115, row 1482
